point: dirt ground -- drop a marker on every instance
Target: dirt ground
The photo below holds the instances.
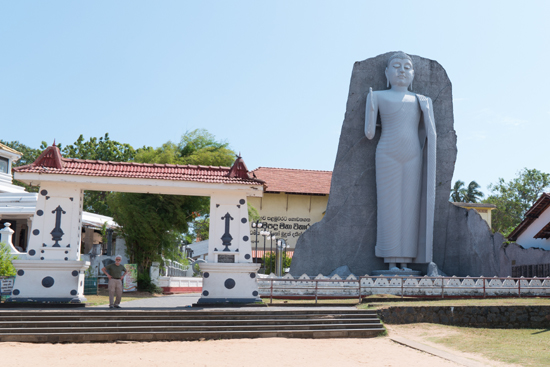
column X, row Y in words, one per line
column 280, row 352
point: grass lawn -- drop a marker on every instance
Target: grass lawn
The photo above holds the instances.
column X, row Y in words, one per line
column 102, row 298
column 525, row 347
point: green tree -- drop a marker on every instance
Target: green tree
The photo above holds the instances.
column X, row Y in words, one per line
column 457, row 192
column 155, row 226
column 6, row 266
column 197, row 147
column 103, row 149
column 470, row 194
column 473, row 195
column 515, row 197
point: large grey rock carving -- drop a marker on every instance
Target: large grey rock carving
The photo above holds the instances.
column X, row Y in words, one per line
column 347, row 233
column 405, row 166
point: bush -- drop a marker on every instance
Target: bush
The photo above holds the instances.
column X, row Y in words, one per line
column 270, row 262
column 6, row 266
column 145, row 284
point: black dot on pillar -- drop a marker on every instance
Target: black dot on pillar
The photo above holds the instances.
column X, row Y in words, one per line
column 36, row 232
column 66, row 258
column 44, row 192
column 74, row 273
column 39, row 213
column 205, row 293
column 20, row 272
column 245, row 238
column 206, row 275
column 229, row 283
column 244, row 220
column 42, row 251
column 253, row 275
column 32, row 252
column 242, row 201
column 247, row 256
column 15, row 292
column 47, row 282
column 255, row 293
column 41, row 258
column 73, row 292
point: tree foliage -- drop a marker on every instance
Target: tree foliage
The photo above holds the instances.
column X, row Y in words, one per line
column 103, row 149
column 470, row 194
column 6, row 266
column 154, row 225
column 197, row 147
column 515, row 197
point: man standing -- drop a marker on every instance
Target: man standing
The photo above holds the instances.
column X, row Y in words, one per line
column 115, row 272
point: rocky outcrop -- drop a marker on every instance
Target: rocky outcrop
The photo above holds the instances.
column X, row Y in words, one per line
column 463, row 243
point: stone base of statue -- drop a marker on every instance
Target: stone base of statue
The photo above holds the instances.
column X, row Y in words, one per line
column 229, row 284
column 397, row 272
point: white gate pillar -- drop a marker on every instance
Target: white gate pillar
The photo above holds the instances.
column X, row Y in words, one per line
column 51, row 270
column 229, row 276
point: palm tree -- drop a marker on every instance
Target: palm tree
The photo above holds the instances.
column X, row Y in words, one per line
column 472, row 195
column 458, row 191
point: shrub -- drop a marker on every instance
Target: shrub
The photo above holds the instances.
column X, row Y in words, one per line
column 6, row 266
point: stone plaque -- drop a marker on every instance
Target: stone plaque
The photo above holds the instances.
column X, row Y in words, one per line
column 226, row 258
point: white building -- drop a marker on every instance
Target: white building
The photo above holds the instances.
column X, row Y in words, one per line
column 534, row 230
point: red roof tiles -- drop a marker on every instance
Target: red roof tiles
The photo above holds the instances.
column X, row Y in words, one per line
column 295, row 181
column 531, row 215
column 51, row 162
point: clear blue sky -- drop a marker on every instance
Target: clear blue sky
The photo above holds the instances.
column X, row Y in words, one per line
column 271, row 78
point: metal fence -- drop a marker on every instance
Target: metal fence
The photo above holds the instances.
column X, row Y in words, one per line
column 436, row 287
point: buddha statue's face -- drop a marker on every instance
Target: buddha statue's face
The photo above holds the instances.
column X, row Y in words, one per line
column 400, row 72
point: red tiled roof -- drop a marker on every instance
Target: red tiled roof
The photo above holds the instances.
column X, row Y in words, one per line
column 51, row 162
column 531, row 215
column 296, row 181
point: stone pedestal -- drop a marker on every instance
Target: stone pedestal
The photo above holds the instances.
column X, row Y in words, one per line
column 399, row 273
column 49, row 281
column 229, row 283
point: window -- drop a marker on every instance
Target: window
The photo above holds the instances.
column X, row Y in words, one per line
column 4, row 164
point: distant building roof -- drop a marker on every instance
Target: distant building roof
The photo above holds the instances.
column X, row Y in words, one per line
column 476, row 205
column 294, row 181
column 51, row 162
column 8, row 149
column 531, row 215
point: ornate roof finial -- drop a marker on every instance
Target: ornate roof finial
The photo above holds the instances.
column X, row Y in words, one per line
column 53, row 145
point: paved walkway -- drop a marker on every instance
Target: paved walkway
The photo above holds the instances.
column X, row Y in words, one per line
column 171, row 301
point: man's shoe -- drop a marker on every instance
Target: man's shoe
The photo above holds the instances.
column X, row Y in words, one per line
column 117, row 306
column 110, row 306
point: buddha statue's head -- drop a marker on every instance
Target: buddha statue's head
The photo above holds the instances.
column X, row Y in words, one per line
column 399, row 70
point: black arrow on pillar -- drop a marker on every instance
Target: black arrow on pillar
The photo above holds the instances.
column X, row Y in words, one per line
column 226, row 238
column 57, row 232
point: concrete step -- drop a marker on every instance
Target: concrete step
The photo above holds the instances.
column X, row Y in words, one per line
column 140, row 325
column 166, row 336
column 121, row 329
column 188, row 323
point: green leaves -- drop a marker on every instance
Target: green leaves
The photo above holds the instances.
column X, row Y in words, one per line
column 471, row 194
column 6, row 266
column 515, row 197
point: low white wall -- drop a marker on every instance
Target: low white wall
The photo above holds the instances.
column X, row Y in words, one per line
column 305, row 286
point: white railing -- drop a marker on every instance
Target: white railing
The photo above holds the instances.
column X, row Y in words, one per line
column 173, row 269
column 440, row 287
